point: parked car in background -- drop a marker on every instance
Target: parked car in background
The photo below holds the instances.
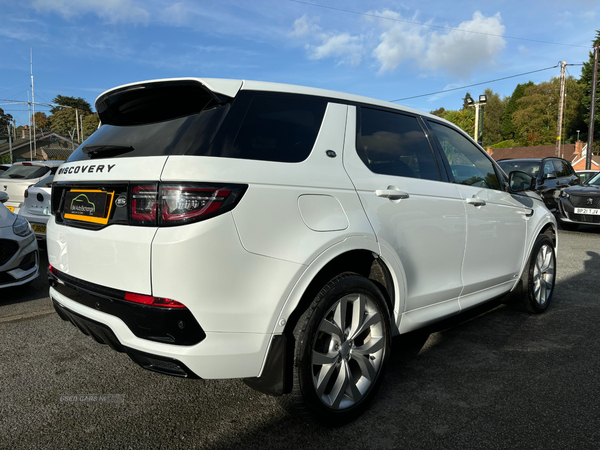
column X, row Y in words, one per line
column 19, row 258
column 552, row 175
column 283, row 234
column 36, row 207
column 4, row 168
column 580, row 205
column 23, row 175
column 585, row 175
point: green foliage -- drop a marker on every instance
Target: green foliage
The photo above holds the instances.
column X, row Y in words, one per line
column 63, row 121
column 585, row 81
column 90, row 125
column 74, row 102
column 505, row 144
column 438, row 112
column 492, row 118
column 4, row 119
column 465, row 119
column 5, row 159
column 507, row 128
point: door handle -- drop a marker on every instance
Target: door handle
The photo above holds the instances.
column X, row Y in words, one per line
column 475, row 201
column 391, row 193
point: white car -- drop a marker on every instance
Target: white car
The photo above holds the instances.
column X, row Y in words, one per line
column 21, row 176
column 282, row 234
column 19, row 259
column 36, row 207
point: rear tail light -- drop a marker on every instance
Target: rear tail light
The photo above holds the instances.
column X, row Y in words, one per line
column 171, row 204
column 26, row 194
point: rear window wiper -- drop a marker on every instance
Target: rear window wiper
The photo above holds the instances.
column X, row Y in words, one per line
column 106, row 151
column 15, row 175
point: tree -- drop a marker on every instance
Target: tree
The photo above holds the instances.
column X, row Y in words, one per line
column 537, row 115
column 492, row 118
column 586, row 81
column 508, row 129
column 438, row 112
column 90, row 125
column 41, row 121
column 464, row 119
column 5, row 119
column 72, row 102
column 63, row 121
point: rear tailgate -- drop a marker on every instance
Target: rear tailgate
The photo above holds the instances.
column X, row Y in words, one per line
column 100, row 247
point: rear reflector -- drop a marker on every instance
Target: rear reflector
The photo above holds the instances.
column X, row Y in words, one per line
column 152, row 301
column 135, row 298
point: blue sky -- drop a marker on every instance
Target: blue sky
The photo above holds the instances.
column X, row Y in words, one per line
column 383, row 49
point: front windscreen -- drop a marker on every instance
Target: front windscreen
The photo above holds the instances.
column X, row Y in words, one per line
column 530, row 167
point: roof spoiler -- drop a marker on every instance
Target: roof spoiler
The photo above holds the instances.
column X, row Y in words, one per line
column 155, row 101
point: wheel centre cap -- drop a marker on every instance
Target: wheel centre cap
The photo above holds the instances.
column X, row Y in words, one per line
column 345, row 349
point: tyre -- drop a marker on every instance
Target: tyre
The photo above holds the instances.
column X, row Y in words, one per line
column 342, row 343
column 539, row 276
column 569, row 226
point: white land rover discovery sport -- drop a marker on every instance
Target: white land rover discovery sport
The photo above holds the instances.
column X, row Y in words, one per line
column 282, row 234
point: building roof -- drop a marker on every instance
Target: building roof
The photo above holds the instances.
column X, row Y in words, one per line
column 567, row 151
column 49, row 146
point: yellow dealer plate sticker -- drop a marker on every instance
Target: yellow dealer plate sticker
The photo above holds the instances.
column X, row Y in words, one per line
column 88, row 205
column 38, row 228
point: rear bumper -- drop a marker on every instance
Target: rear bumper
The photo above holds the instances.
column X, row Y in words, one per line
column 104, row 335
column 217, row 356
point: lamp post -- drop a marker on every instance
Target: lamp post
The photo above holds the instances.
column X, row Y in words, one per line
column 478, row 135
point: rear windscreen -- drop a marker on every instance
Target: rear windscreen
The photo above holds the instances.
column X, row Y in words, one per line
column 255, row 125
column 25, row 172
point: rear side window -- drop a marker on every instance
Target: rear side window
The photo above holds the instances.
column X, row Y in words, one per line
column 270, row 127
column 394, row 144
column 19, row 171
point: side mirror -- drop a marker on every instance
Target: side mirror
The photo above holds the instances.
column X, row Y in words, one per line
column 550, row 176
column 520, row 181
column 3, row 197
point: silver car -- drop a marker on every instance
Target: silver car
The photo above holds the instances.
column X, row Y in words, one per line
column 19, row 256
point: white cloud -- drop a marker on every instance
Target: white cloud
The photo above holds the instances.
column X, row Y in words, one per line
column 344, row 48
column 305, row 26
column 459, row 52
column 456, row 51
column 401, row 41
column 111, row 11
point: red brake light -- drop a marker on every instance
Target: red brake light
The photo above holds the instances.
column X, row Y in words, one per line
column 26, row 194
column 185, row 203
column 152, row 301
column 27, row 164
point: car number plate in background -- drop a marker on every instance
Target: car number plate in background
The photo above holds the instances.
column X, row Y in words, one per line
column 88, row 205
column 588, row 211
column 39, row 228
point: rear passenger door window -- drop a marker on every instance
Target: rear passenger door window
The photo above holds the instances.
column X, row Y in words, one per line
column 469, row 165
column 395, row 144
